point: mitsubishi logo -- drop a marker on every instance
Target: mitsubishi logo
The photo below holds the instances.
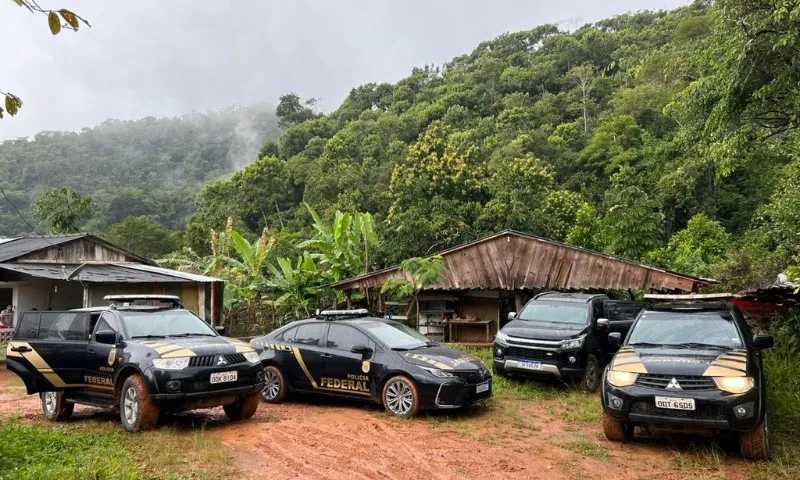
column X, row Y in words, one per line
column 221, row 361
column 674, row 385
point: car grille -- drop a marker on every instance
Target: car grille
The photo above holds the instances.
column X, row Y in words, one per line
column 474, row 376
column 461, row 395
column 701, row 412
column 206, row 386
column 687, row 383
column 211, row 360
column 530, row 353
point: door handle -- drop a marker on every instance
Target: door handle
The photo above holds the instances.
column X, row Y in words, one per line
column 90, row 352
column 326, row 355
column 21, row 349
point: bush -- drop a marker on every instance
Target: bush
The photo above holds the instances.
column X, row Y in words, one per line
column 782, row 368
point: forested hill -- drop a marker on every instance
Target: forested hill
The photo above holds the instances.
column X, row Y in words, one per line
column 152, row 166
column 663, row 136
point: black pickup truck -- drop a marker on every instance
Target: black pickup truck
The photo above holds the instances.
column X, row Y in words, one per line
column 563, row 335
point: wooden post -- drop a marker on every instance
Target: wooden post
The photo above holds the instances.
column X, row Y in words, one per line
column 518, row 300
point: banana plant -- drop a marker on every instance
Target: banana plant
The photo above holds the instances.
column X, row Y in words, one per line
column 296, row 286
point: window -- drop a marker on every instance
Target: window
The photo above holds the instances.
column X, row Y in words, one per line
column 163, row 323
column 28, row 326
column 397, row 336
column 342, row 337
column 713, row 329
column 287, row 335
column 64, row 326
column 309, row 334
column 556, row 312
column 106, row 322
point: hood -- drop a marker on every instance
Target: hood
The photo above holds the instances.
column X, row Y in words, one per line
column 544, row 330
column 683, row 362
column 443, row 358
column 195, row 346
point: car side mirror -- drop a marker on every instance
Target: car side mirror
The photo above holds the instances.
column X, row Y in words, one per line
column 512, row 316
column 107, row 337
column 220, row 329
column 615, row 339
column 762, row 342
column 362, row 350
column 602, row 323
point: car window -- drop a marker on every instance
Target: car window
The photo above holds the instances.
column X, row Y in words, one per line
column 555, row 312
column 164, row 323
column 287, row 335
column 342, row 337
column 309, row 334
column 64, row 326
column 106, row 322
column 397, row 336
column 676, row 328
column 28, row 326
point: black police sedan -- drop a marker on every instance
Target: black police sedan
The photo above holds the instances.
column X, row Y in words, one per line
column 143, row 355
column 689, row 365
column 349, row 354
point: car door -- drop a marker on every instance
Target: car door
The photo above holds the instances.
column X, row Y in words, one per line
column 307, row 367
column 101, row 358
column 620, row 315
column 347, row 373
column 48, row 348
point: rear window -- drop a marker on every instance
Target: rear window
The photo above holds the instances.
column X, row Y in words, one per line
column 676, row 328
column 28, row 326
column 64, row 326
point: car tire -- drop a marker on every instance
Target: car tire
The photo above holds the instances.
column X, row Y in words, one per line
column 243, row 408
column 615, row 430
column 55, row 407
column 136, row 410
column 274, row 390
column 592, row 375
column 755, row 444
column 400, row 397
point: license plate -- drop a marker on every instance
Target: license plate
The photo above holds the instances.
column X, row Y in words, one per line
column 224, row 377
column 482, row 387
column 675, row 403
column 530, row 365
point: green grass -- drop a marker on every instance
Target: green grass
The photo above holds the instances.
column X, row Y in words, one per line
column 40, row 451
column 587, row 449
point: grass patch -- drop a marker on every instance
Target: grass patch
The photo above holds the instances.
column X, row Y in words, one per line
column 40, row 451
column 587, row 449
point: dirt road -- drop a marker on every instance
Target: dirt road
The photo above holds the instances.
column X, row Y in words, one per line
column 509, row 439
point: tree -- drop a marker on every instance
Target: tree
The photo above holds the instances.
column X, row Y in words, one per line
column 64, row 210
column 70, row 20
column 695, row 250
column 142, row 236
column 291, row 110
column 584, row 77
column 419, row 273
column 295, row 286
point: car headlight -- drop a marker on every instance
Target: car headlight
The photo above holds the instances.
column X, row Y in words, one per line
column 251, row 357
column 501, row 338
column 735, row 384
column 177, row 363
column 573, row 344
column 621, row 379
column 437, row 372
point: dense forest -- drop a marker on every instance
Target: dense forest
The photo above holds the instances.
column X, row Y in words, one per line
column 146, row 168
column 660, row 136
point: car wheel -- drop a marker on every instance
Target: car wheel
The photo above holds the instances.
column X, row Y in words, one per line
column 55, row 407
column 401, row 397
column 615, row 430
column 755, row 444
column 274, row 390
column 136, row 410
column 591, row 375
column 243, row 408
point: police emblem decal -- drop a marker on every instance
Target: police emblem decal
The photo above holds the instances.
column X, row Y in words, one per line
column 365, row 366
column 112, row 355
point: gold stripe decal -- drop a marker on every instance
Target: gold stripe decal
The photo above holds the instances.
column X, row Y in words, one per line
column 303, row 366
column 729, row 364
column 185, row 352
column 627, row 360
column 244, row 348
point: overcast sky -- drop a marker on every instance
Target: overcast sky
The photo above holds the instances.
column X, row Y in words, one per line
column 165, row 58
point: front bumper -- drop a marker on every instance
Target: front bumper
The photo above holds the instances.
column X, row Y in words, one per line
column 553, row 363
column 454, row 392
column 193, row 385
column 714, row 409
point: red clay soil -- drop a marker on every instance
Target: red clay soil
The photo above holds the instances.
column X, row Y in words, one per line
column 313, row 441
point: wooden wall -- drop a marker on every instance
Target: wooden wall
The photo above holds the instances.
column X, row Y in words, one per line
column 77, row 252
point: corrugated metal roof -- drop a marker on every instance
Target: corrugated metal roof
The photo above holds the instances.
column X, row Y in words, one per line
column 106, row 273
column 512, row 260
column 18, row 247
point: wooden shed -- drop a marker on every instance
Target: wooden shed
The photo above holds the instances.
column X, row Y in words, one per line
column 468, row 297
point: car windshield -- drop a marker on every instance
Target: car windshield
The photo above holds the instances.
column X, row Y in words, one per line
column 397, row 336
column 686, row 329
column 165, row 323
column 555, row 312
